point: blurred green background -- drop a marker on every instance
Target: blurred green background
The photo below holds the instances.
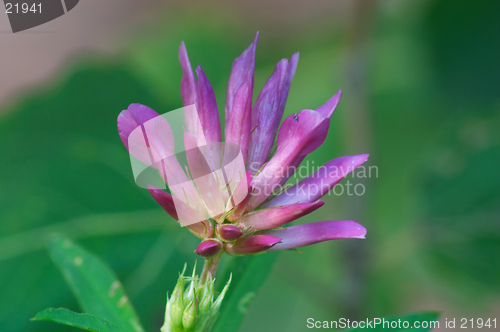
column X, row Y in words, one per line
column 421, row 95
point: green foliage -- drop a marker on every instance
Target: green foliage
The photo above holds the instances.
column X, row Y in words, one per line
column 83, row 321
column 248, row 274
column 68, row 172
column 94, row 284
column 429, row 116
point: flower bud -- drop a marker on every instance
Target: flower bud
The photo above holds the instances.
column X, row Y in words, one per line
column 176, row 304
column 229, row 232
column 206, row 297
column 192, row 308
column 189, row 318
column 208, row 248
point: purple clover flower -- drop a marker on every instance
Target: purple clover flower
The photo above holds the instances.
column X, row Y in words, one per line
column 258, row 223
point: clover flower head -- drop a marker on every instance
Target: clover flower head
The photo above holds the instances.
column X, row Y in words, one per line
column 244, row 210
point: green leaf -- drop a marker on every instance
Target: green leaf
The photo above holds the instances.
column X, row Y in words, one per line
column 66, row 171
column 426, row 319
column 249, row 273
column 94, row 284
column 83, row 321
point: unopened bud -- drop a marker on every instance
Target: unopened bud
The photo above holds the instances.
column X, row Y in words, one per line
column 208, row 248
column 189, row 318
column 176, row 304
column 206, row 297
column 229, row 232
column 192, row 308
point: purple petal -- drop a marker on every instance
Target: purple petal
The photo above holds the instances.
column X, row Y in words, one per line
column 229, row 232
column 131, row 118
column 320, row 182
column 305, row 131
column 242, row 186
column 290, row 72
column 206, row 181
column 291, row 170
column 266, row 115
column 327, row 109
column 207, row 108
column 277, row 216
column 239, row 124
column 147, row 136
column 251, row 244
column 188, row 82
column 153, row 145
column 307, row 234
column 208, row 248
column 201, row 229
column 242, row 72
column 268, row 111
column 165, row 200
column 299, row 135
column 189, row 94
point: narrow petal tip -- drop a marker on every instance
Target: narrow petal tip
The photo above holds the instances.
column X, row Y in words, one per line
column 307, row 234
column 327, row 109
column 165, row 200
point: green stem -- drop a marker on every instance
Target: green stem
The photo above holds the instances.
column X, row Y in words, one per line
column 210, row 267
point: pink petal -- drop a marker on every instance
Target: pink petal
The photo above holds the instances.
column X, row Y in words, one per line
column 251, row 244
column 208, row 183
column 266, row 115
column 291, row 170
column 189, row 94
column 188, row 82
column 327, row 109
column 238, row 126
column 245, row 185
column 320, row 182
column 133, row 117
column 307, row 234
column 277, row 216
column 201, row 229
column 147, row 136
column 235, row 174
column 207, row 108
column 181, row 186
column 305, row 131
column 299, row 135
